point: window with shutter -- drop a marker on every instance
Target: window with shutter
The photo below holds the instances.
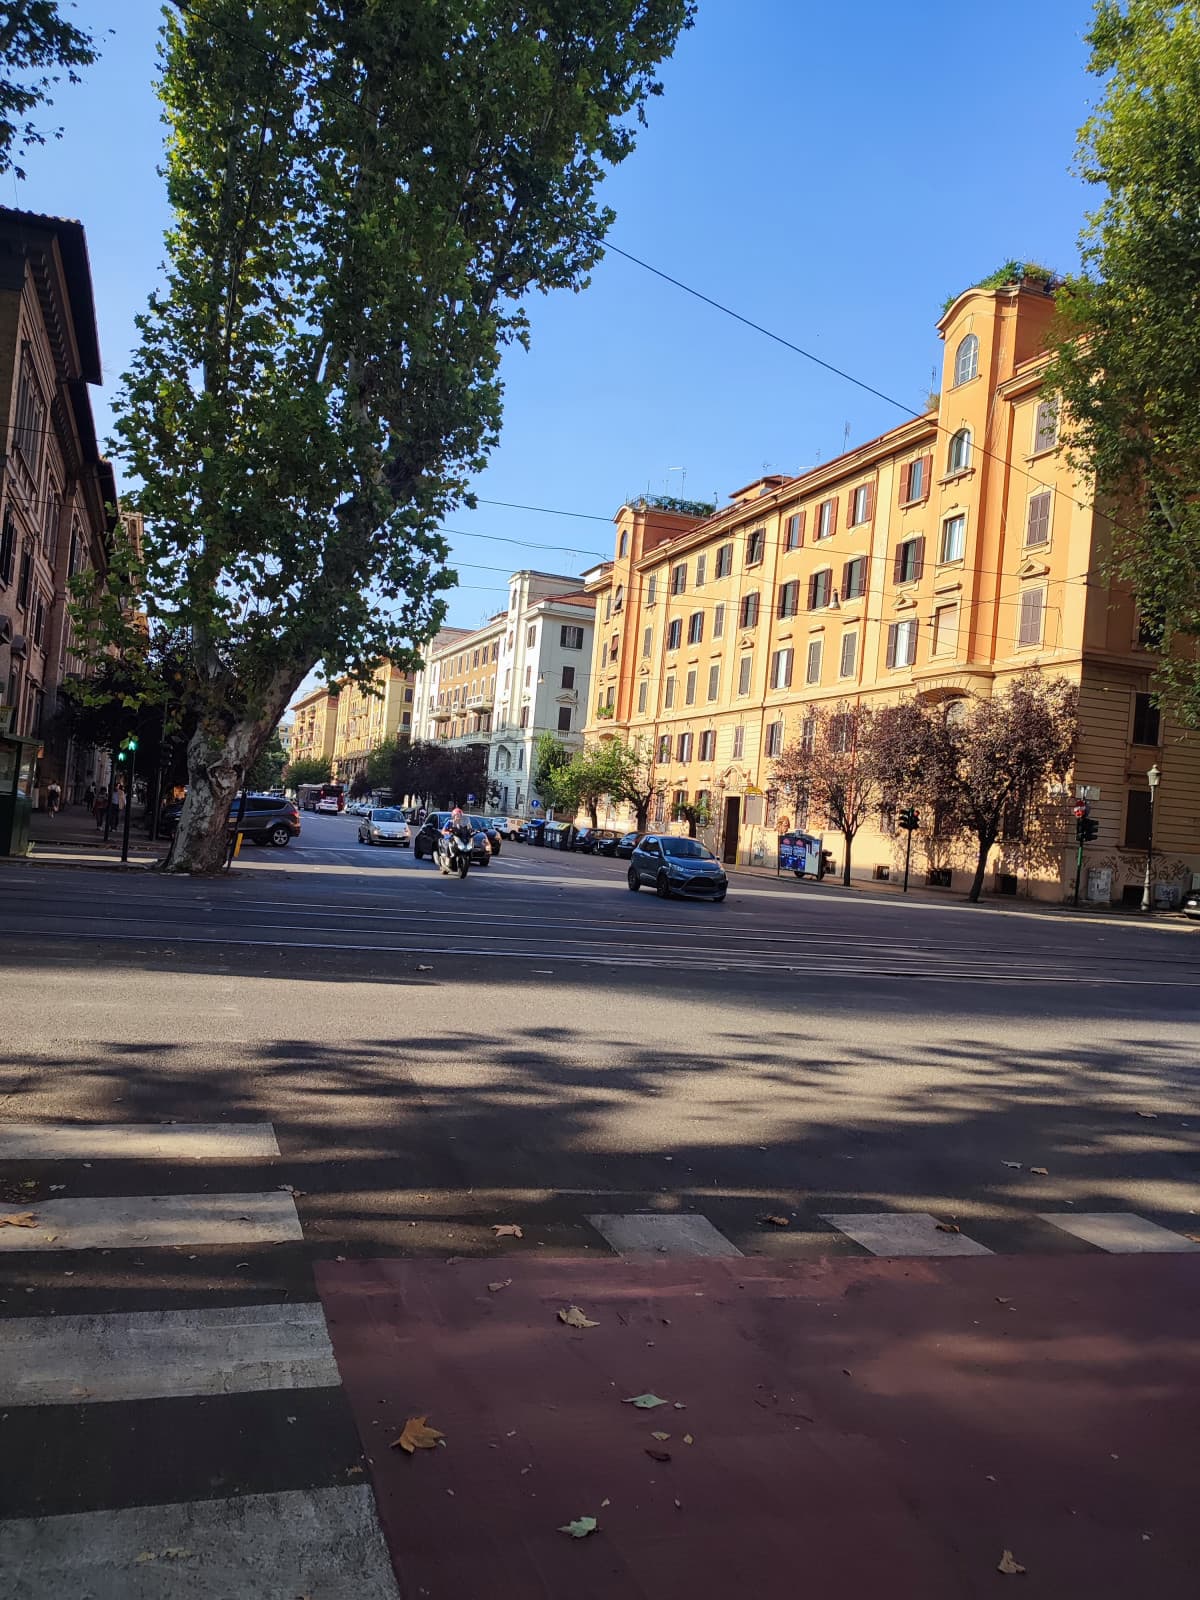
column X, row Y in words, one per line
column 643, row 695
column 1029, row 630
column 679, row 578
column 854, row 578
column 724, row 561
column 812, row 672
column 701, row 570
column 892, row 633
column 849, row 651
column 8, row 549
column 958, row 457
column 789, row 598
column 749, row 617
column 1137, row 819
column 910, row 560
column 689, row 693
column 744, row 674
column 1045, row 426
column 756, row 544
column 739, row 743
column 714, row 681
column 1037, row 520
column 708, row 744
column 669, row 693
column 1146, row 720
column 794, row 536
column 652, row 589
column 719, row 622
column 945, row 630
column 775, row 739
column 954, row 539
column 905, row 482
column 696, row 627
column 860, row 505
column 664, row 748
column 683, row 750
column 647, row 641
column 826, row 520
column 675, row 633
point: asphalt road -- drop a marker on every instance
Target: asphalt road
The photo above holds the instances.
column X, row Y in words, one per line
column 533, row 1046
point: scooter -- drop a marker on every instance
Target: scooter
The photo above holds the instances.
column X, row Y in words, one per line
column 453, row 854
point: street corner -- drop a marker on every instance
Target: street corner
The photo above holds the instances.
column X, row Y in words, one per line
column 872, row 1426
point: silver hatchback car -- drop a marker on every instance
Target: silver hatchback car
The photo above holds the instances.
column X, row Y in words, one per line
column 384, row 825
column 676, row 865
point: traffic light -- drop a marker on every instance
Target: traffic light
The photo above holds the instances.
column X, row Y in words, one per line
column 909, row 819
column 128, row 748
column 1086, row 830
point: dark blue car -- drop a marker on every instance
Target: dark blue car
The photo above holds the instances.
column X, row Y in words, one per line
column 675, row 865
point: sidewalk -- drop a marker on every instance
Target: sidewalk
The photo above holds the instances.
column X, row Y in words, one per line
column 73, row 836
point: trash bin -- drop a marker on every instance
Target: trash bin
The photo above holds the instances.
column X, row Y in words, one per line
column 18, row 757
column 554, row 834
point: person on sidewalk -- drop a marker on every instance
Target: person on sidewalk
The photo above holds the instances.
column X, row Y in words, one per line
column 89, row 797
column 53, row 796
column 100, row 806
column 116, row 808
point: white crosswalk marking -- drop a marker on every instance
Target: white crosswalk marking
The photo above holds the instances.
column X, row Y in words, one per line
column 175, row 1141
column 905, row 1233
column 149, row 1221
column 674, row 1234
column 157, row 1355
column 1121, row 1233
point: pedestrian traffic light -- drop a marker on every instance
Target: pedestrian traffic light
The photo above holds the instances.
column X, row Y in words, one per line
column 1086, row 829
column 909, row 818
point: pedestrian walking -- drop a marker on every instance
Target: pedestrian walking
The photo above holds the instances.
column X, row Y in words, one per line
column 89, row 797
column 116, row 806
column 100, row 806
column 53, row 796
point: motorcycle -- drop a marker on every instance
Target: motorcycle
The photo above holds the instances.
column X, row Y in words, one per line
column 453, row 853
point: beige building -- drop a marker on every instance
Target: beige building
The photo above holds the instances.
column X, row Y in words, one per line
column 369, row 717
column 938, row 560
column 314, row 724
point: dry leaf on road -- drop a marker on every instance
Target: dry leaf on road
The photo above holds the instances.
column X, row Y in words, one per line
column 1042, row 1172
column 1015, row 1166
column 687, row 1439
column 507, row 1230
column 574, row 1318
column 1007, row 1565
column 1150, row 1116
column 661, row 1437
column 417, row 1435
column 644, row 1402
column 580, row 1528
column 1003, row 1300
column 776, row 1222
column 19, row 1219
column 948, row 1227
column 500, row 1283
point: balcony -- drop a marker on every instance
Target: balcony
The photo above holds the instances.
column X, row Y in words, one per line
column 440, row 714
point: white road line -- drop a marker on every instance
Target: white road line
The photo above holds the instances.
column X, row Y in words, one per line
column 161, row 1355
column 678, row 1234
column 320, row 1542
column 903, row 1233
column 100, row 1141
column 148, row 1221
column 1121, row 1233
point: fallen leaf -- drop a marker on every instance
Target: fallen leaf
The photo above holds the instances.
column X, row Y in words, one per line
column 176, row 1554
column 948, row 1227
column 1042, row 1172
column 644, row 1402
column 20, row 1219
column 660, row 1436
column 1007, row 1565
column 1150, row 1116
column 424, row 969
column 776, row 1222
column 580, row 1528
column 679, row 1406
column 1003, row 1300
column 604, row 1503
column 574, row 1318
column 146, row 1555
column 417, row 1435
column 507, row 1230
column 1014, row 1165
column 687, row 1439
column 500, row 1283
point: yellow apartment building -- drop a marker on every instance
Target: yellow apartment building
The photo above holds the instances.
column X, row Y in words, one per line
column 314, row 727
column 367, row 717
column 937, row 560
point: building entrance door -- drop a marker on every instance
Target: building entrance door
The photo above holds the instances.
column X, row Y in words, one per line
column 733, row 811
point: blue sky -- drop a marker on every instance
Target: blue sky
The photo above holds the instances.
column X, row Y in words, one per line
column 832, row 172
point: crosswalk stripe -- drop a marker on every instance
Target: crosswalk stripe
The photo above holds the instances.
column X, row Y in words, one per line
column 125, row 1223
column 157, row 1355
column 904, row 1233
column 1121, row 1233
column 673, row 1234
column 320, row 1542
column 102, row 1141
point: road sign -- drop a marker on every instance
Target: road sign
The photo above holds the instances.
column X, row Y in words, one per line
column 1087, row 791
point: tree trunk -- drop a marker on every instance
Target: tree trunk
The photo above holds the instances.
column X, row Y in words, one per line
column 849, row 838
column 592, row 811
column 642, row 815
column 985, row 849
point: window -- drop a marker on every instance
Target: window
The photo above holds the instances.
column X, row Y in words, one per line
column 571, row 638
column 749, row 612
column 808, row 734
column 679, row 578
column 826, row 520
column 945, row 630
column 861, row 504
column 1137, row 820
column 789, row 598
column 701, row 570
column 674, row 634
column 719, row 622
column 724, row 560
column 966, row 360
column 8, row 548
column 696, row 627
column 647, row 641
column 660, row 807
column 744, row 674
column 854, row 578
column 739, row 743
column 708, row 744
column 910, row 560
column 756, row 544
column 623, row 545
column 794, row 532
column 689, row 688
column 29, row 424
column 820, row 589
column 841, row 732
column 619, row 598
column 643, row 692
column 507, row 679
column 847, row 657
column 1037, row 519
column 475, row 659
column 683, row 747
column 812, row 671
column 23, row 580
column 613, row 644
column 1145, row 720
column 914, row 480
column 524, row 716
column 902, row 643
column 1045, row 426
column 39, row 620
column 679, row 799
column 531, row 636
column 664, row 749
column 652, row 589
column 714, row 680
column 954, row 539
column 1029, row 628
column 775, row 738
column 528, row 676
column 607, row 608
column 568, row 677
column 958, row 457
column 781, row 669
column 564, row 719
column 669, row 691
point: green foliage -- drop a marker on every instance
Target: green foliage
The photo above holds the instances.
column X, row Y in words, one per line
column 136, row 694
column 1128, row 361
column 590, row 775
column 441, row 774
column 635, row 781
column 363, row 195
column 309, row 769
column 37, row 46
column 696, row 813
column 1010, row 272
column 550, row 756
column 670, row 502
column 267, row 771
column 360, row 786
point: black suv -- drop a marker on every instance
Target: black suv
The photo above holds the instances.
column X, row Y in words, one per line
column 267, row 819
column 425, row 838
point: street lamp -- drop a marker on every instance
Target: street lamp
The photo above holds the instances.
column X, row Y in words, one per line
column 1152, row 778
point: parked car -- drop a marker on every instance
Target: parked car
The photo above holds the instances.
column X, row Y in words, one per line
column 508, row 827
column 626, row 844
column 1191, row 905
column 604, row 842
column 581, row 841
column 267, row 819
column 384, row 825
column 676, row 865
column 426, row 835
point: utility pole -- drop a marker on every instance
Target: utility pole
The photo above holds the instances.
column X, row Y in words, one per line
column 1152, row 778
column 129, row 752
column 910, row 821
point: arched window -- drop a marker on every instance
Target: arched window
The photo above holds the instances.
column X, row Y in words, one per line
column 956, row 711
column 959, row 458
column 624, row 545
column 619, row 598
column 966, row 360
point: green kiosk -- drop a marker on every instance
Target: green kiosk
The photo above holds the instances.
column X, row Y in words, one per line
column 18, row 758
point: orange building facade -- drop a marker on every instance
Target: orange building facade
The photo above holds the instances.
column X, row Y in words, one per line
column 938, row 560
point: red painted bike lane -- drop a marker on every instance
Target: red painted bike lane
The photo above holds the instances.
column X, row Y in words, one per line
column 858, row 1428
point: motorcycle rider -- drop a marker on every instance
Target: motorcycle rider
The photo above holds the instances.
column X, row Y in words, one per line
column 457, row 827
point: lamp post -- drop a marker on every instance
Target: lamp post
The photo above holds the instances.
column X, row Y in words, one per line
column 1152, row 778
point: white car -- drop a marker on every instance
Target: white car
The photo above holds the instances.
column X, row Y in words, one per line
column 384, row 825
